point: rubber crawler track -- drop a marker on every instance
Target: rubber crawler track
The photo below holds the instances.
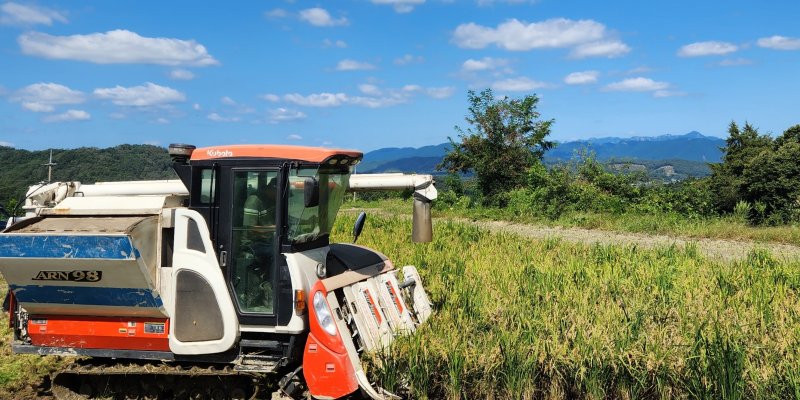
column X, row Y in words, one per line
column 156, row 381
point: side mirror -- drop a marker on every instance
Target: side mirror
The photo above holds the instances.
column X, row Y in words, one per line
column 311, row 192
column 359, row 226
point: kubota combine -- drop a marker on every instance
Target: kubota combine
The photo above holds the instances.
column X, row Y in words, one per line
column 201, row 287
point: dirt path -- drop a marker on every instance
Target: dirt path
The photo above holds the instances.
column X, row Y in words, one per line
column 722, row 249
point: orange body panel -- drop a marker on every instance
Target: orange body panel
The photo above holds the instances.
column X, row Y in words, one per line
column 311, row 154
column 145, row 334
column 327, row 367
column 327, row 373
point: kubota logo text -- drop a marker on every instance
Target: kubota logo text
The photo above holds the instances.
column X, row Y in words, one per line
column 219, row 153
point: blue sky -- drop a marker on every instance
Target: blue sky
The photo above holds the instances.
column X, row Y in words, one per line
column 367, row 74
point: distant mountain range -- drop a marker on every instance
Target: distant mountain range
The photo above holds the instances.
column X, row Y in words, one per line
column 692, row 146
column 677, row 156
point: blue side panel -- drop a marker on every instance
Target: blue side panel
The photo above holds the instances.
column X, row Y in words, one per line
column 120, row 297
column 66, row 246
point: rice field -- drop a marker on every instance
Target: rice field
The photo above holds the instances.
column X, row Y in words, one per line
column 521, row 318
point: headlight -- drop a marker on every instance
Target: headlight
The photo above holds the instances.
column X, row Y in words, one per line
column 323, row 313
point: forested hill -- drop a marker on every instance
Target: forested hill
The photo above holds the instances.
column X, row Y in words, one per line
column 22, row 168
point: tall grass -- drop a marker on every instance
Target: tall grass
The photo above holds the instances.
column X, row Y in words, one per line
column 522, row 318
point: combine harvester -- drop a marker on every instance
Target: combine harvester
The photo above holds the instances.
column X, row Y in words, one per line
column 203, row 287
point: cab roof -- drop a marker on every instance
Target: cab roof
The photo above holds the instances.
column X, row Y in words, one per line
column 275, row 151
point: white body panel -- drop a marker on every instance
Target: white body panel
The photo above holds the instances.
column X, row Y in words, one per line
column 422, row 304
column 422, row 184
column 395, row 307
column 129, row 188
column 112, row 205
column 204, row 264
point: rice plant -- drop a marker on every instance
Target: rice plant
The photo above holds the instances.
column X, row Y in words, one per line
column 520, row 318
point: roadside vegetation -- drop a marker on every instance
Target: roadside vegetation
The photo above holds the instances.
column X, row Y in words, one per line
column 496, row 172
column 21, row 376
column 522, row 318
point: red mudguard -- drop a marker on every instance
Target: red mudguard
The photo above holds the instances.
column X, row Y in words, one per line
column 327, row 368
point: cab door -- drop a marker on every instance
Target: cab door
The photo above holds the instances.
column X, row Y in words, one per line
column 251, row 243
column 203, row 319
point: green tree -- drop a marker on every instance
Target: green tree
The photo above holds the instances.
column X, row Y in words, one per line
column 506, row 138
column 741, row 147
column 772, row 178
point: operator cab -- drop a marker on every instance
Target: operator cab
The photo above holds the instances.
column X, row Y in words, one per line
column 261, row 201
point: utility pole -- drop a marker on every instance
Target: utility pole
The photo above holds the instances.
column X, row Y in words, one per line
column 50, row 166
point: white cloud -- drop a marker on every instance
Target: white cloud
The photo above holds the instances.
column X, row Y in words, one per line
column 353, row 65
column 196, row 107
column 152, row 142
column 218, row 118
column 227, row 101
column 609, row 48
column 42, row 97
column 317, row 100
column 284, row 115
column 162, row 121
column 294, row 136
column 409, row 59
column 181, row 74
column 369, row 89
column 382, row 101
column 272, row 98
column 276, row 13
column 69, row 115
column 638, row 84
column 779, row 43
column 588, row 38
column 146, row 95
column 373, row 96
column 581, row 78
column 638, row 70
column 20, row 14
column 668, row 93
column 400, row 6
column 440, row 92
column 116, row 47
column 38, row 107
column 6, row 144
column 484, row 64
column 320, row 17
column 735, row 62
column 520, row 84
column 341, row 44
column 710, row 48
column 118, row 115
